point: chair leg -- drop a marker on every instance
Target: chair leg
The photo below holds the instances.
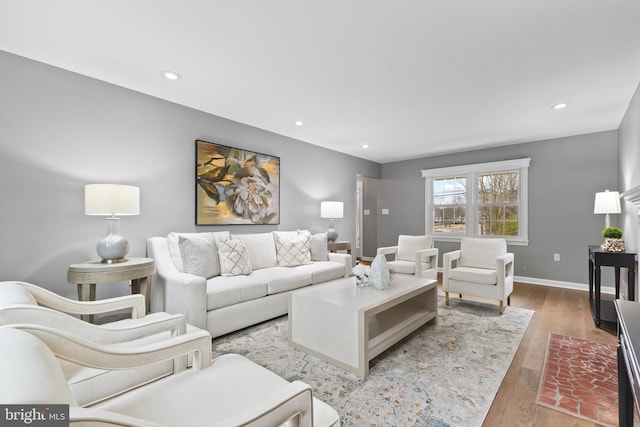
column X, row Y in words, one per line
column 501, row 307
column 509, row 300
column 446, row 298
column 460, row 295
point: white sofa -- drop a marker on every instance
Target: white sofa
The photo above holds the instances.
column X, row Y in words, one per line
column 226, row 291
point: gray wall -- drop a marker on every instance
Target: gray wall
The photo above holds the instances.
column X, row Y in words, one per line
column 564, row 175
column 60, row 131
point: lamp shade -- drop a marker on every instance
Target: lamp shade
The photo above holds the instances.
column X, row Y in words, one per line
column 331, row 210
column 607, row 202
column 111, row 199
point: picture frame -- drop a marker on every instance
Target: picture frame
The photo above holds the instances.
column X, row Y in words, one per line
column 236, row 186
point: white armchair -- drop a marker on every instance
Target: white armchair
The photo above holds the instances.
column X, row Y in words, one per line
column 19, row 303
column 413, row 255
column 481, row 268
column 230, row 391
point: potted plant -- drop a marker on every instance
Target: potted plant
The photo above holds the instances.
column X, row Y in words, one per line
column 612, row 239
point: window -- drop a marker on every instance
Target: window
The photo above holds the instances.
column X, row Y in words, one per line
column 486, row 199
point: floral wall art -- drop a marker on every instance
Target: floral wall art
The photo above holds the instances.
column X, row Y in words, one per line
column 235, row 186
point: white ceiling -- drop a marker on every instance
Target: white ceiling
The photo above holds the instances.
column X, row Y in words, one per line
column 411, row 78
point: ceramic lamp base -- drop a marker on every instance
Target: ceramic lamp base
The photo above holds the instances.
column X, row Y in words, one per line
column 113, row 248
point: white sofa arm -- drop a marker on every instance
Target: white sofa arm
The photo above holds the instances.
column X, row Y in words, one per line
column 57, row 302
column 127, row 330
column 448, row 261
column 294, row 399
column 429, row 256
column 113, row 356
column 174, row 291
column 344, row 259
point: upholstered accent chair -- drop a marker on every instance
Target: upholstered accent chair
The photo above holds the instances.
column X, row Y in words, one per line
column 481, row 268
column 227, row 391
column 26, row 303
column 413, row 255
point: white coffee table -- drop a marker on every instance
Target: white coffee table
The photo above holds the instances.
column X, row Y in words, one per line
column 348, row 326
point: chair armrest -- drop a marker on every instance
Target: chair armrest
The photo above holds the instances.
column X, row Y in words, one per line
column 295, row 399
column 448, row 261
column 57, row 302
column 427, row 256
column 344, row 259
column 127, row 330
column 388, row 250
column 79, row 415
column 109, row 356
column 504, row 267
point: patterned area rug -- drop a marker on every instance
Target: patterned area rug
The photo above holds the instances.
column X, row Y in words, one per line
column 444, row 374
column 580, row 378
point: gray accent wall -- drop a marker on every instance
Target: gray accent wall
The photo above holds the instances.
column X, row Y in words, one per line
column 60, row 130
column 564, row 175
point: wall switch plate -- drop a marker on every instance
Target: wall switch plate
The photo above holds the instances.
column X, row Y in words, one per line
column 556, row 257
column 367, row 212
column 385, row 211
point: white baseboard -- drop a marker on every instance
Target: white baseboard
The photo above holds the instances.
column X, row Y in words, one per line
column 559, row 284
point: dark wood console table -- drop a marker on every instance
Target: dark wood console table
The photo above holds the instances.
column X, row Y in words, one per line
column 628, row 314
column 603, row 310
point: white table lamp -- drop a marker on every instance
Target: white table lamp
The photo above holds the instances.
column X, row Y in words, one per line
column 111, row 200
column 331, row 210
column 607, row 202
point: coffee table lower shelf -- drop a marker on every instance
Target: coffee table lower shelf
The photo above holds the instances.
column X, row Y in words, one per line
column 348, row 326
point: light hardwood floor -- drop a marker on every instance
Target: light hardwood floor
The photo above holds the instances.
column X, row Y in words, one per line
column 562, row 311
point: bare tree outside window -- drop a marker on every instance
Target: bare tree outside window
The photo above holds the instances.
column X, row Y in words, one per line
column 498, row 200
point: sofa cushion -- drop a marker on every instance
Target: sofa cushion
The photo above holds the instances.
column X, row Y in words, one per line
column 318, row 247
column 294, row 250
column 14, row 293
column 474, row 275
column 409, row 245
column 481, row 253
column 199, row 254
column 223, row 291
column 173, row 240
column 234, row 258
column 323, row 271
column 406, row 267
column 283, row 279
column 261, row 249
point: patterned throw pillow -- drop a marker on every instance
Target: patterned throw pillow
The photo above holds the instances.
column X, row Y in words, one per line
column 293, row 250
column 234, row 258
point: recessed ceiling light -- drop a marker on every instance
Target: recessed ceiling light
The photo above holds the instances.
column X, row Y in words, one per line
column 365, row 146
column 560, row 106
column 171, row 75
column 299, row 123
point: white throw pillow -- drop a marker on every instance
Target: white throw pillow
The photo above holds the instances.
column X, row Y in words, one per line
column 318, row 246
column 199, row 254
column 293, row 251
column 234, row 258
column 173, row 240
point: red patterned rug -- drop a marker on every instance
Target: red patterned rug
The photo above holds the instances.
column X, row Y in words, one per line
column 580, row 378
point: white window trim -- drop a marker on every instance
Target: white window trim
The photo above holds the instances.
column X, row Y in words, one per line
column 471, row 172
